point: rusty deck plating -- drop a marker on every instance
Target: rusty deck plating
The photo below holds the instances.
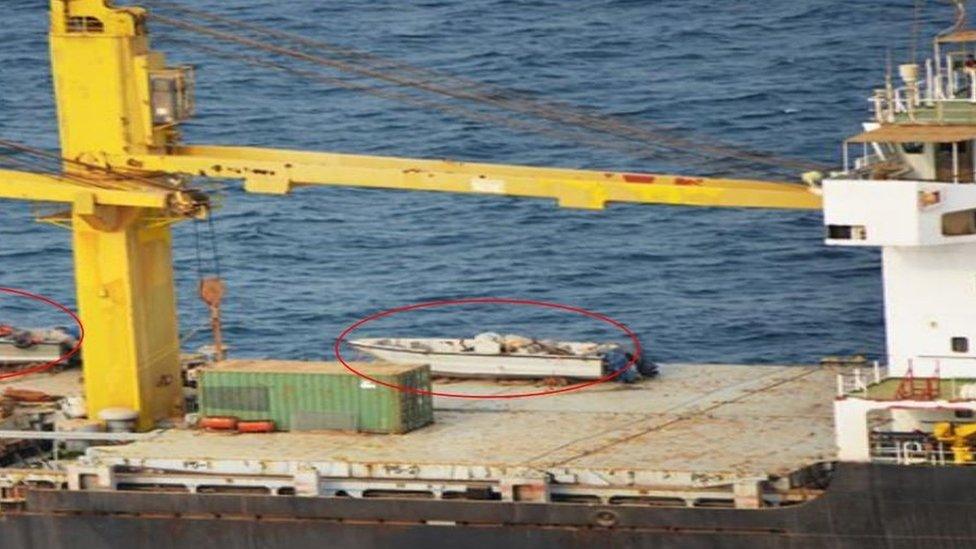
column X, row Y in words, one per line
column 696, row 427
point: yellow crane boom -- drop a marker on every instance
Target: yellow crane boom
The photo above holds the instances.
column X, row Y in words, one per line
column 120, row 106
column 278, row 171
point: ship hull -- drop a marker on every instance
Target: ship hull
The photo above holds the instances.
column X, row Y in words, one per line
column 865, row 506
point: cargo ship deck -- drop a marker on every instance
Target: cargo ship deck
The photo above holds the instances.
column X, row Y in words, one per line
column 694, row 432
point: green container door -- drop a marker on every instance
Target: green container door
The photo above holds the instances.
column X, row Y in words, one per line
column 386, row 410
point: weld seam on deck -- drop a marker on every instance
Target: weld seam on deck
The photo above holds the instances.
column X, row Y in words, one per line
column 680, row 418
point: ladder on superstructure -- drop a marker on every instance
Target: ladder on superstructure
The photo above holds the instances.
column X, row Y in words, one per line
column 918, row 388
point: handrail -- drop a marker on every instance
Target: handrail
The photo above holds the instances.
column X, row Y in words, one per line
column 938, row 86
column 858, row 380
column 910, row 451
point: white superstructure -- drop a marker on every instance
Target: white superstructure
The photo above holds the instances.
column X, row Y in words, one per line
column 910, row 191
column 929, row 275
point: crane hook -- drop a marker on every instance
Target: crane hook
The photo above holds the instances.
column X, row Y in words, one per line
column 212, row 292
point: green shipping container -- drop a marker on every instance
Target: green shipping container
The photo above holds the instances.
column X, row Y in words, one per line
column 309, row 396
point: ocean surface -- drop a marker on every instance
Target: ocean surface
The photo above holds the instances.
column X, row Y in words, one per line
column 708, row 285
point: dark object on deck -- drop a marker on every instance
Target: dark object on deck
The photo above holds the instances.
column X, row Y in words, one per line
column 621, row 363
column 646, row 367
column 23, row 340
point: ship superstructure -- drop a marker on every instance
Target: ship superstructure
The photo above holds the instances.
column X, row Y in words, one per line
column 908, row 190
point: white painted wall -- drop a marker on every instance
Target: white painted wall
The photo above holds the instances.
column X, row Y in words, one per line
column 922, row 164
column 929, row 278
column 891, row 212
column 930, row 297
column 907, row 420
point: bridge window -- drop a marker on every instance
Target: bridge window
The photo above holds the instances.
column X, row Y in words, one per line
column 913, row 148
column 961, row 223
column 847, row 232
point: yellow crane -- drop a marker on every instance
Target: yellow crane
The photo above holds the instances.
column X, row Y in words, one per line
column 126, row 178
column 960, row 436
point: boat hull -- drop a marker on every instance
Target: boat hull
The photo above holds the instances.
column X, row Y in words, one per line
column 40, row 352
column 492, row 365
column 866, row 506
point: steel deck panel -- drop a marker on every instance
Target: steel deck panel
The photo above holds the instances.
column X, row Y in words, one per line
column 694, row 421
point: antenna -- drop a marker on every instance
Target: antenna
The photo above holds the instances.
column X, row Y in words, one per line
column 916, row 16
column 888, row 69
column 961, row 16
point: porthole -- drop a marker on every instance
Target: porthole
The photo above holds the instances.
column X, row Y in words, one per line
column 960, row 344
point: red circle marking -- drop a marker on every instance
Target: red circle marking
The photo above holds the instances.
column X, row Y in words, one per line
column 47, row 365
column 489, row 300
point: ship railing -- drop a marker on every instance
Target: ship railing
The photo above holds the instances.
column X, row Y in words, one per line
column 867, row 160
column 874, row 161
column 909, row 449
column 863, row 166
column 858, row 380
column 941, row 89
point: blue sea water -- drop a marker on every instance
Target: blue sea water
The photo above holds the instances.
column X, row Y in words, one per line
column 697, row 284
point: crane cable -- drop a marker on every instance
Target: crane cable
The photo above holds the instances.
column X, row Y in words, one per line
column 488, row 93
column 41, row 155
column 582, row 120
column 183, row 200
column 36, row 162
column 448, row 108
column 40, row 161
column 491, row 95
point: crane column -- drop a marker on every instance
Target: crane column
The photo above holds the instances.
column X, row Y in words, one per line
column 126, row 297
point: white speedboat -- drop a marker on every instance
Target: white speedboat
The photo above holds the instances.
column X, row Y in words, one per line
column 493, row 355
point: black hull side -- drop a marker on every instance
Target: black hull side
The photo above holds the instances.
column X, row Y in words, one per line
column 866, row 506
